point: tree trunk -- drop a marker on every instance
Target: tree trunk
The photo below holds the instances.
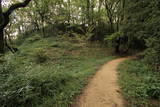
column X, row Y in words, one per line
column 43, row 26
column 88, row 12
column 92, row 11
column 110, row 16
column 117, row 50
column 117, row 23
column 111, row 24
column 43, row 31
column 69, row 9
column 99, row 12
column 4, row 20
column 2, row 45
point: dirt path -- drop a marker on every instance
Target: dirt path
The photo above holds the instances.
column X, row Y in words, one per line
column 103, row 89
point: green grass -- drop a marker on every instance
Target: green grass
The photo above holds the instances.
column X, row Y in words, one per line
column 140, row 85
column 48, row 72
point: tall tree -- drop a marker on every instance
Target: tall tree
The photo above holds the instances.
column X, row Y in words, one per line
column 111, row 8
column 88, row 11
column 4, row 20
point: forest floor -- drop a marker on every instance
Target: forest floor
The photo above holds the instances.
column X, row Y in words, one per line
column 103, row 90
column 53, row 71
column 50, row 71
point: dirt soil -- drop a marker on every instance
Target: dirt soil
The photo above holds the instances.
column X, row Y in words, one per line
column 103, row 90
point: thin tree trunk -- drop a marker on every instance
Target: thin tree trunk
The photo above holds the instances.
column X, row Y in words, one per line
column 111, row 24
column 117, row 50
column 43, row 31
column 88, row 12
column 99, row 10
column 69, row 14
column 92, row 11
column 110, row 16
column 2, row 44
column 43, row 26
column 1, row 30
column 118, row 23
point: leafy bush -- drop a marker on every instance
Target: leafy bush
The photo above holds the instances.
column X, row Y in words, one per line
column 87, row 34
column 41, row 56
column 118, row 42
column 139, row 84
column 21, row 90
column 141, row 29
column 111, row 40
column 2, row 60
column 34, row 38
column 153, row 53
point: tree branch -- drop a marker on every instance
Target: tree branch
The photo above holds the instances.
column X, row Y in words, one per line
column 11, row 10
column 16, row 6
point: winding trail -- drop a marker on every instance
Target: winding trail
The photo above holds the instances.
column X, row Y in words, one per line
column 103, row 89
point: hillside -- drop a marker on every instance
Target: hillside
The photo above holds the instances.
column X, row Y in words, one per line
column 48, row 71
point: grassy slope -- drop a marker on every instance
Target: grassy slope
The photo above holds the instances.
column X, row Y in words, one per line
column 48, row 72
column 141, row 86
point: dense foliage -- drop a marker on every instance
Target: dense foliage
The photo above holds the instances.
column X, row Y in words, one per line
column 140, row 86
column 141, row 28
column 125, row 25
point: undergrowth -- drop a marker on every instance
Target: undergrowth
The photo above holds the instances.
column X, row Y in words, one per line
column 140, row 85
column 48, row 72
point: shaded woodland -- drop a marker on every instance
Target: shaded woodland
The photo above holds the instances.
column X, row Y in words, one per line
column 29, row 28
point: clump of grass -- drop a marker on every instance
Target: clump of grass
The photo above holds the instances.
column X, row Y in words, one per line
column 41, row 56
column 2, row 60
column 34, row 38
column 140, row 85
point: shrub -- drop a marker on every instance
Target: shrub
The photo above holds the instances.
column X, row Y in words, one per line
column 20, row 90
column 139, row 84
column 118, row 42
column 86, row 35
column 34, row 38
column 152, row 54
column 111, row 39
column 2, row 60
column 41, row 56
